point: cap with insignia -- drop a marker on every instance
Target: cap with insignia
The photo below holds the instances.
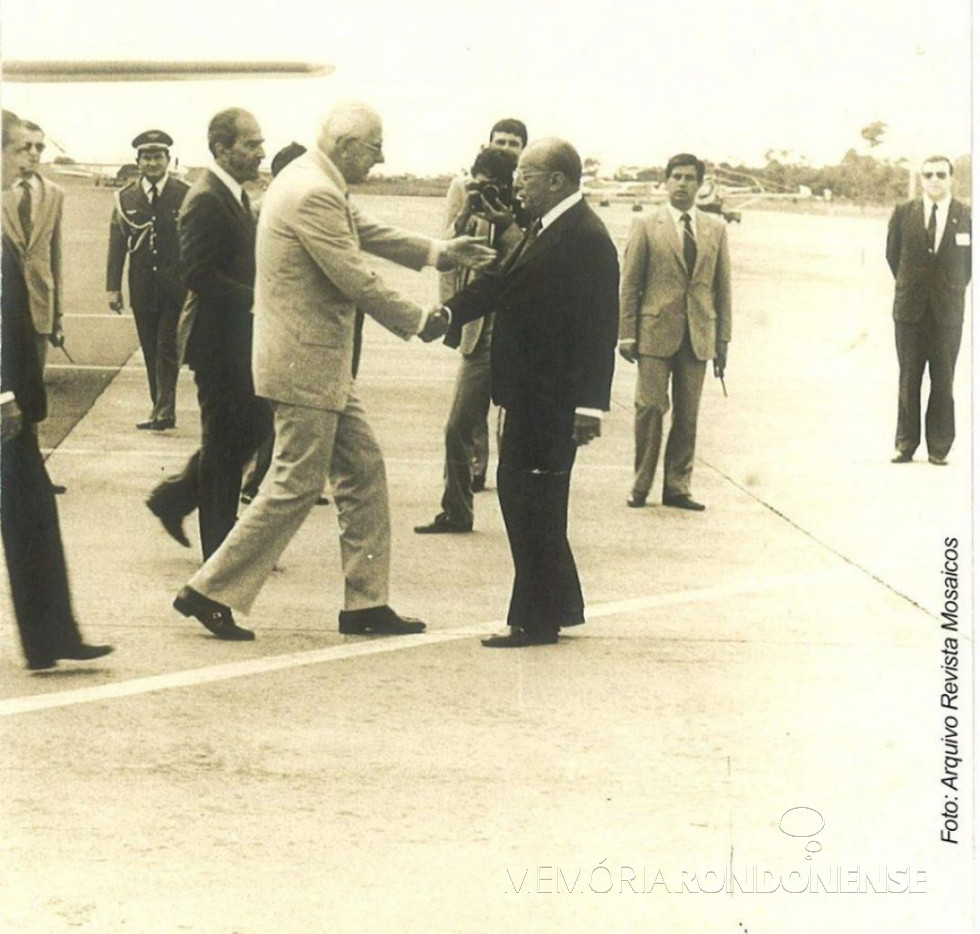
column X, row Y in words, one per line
column 152, row 141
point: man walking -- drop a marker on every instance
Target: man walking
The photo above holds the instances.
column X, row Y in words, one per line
column 144, row 229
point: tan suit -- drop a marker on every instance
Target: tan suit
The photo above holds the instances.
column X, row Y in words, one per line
column 311, row 280
column 675, row 320
column 40, row 253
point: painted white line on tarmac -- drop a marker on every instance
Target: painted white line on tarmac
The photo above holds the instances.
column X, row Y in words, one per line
column 209, row 675
column 122, row 368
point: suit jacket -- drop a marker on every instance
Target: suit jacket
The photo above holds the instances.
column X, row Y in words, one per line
column 924, row 280
column 217, row 266
column 556, row 308
column 20, row 369
column 659, row 301
column 41, row 254
column 149, row 238
column 312, row 280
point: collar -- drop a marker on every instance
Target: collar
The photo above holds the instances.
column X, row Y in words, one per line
column 146, row 183
column 234, row 187
column 942, row 205
column 33, row 180
column 676, row 215
column 328, row 166
column 560, row 208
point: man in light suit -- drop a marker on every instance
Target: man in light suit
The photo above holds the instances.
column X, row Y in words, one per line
column 143, row 230
column 554, row 301
column 312, row 279
column 928, row 250
column 675, row 315
column 217, row 259
column 32, row 209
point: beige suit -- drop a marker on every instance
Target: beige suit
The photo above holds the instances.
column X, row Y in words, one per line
column 40, row 254
column 311, row 279
column 676, row 320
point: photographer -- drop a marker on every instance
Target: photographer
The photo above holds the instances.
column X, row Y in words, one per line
column 487, row 210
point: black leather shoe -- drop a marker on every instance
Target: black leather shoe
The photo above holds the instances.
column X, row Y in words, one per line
column 479, row 482
column 937, row 460
column 213, row 616
column 636, row 500
column 41, row 664
column 520, row 638
column 902, row 457
column 86, row 653
column 157, row 424
column 378, row 621
column 442, row 525
column 684, row 502
column 172, row 519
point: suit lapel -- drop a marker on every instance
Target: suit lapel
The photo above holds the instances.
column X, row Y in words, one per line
column 707, row 240
column 667, row 230
column 952, row 224
column 551, row 236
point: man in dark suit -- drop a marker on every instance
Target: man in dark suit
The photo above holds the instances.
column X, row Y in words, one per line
column 217, row 259
column 28, row 514
column 928, row 250
column 551, row 360
column 144, row 228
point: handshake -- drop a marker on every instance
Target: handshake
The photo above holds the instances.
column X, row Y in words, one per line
column 436, row 324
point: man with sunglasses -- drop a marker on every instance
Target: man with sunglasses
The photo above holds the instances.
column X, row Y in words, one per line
column 33, row 210
column 928, row 250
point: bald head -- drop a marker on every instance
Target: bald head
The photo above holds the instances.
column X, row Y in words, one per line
column 351, row 137
column 548, row 172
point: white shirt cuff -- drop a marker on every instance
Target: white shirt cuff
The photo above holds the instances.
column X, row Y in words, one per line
column 595, row 413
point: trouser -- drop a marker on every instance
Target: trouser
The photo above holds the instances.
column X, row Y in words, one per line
column 233, row 423
column 34, row 553
column 684, row 374
column 466, row 433
column 537, row 453
column 156, row 326
column 312, row 445
column 919, row 343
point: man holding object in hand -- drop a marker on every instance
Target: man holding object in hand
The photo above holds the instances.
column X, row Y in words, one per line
column 311, row 280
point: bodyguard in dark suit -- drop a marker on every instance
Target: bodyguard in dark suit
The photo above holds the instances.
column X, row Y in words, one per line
column 555, row 300
column 28, row 514
column 217, row 258
column 144, row 228
column 928, row 250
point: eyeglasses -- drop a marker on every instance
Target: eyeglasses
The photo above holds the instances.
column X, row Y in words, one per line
column 37, row 147
column 939, row 175
column 527, row 173
column 372, row 147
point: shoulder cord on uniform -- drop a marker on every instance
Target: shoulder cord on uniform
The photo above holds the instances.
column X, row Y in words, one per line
column 137, row 233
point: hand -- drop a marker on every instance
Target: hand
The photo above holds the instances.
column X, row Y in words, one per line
column 586, row 428
column 627, row 350
column 57, row 337
column 436, row 325
column 11, row 420
column 721, row 358
column 496, row 212
column 471, row 252
column 116, row 302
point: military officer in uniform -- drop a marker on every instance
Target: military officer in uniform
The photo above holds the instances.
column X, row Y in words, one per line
column 144, row 229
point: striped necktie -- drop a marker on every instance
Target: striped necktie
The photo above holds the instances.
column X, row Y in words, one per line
column 690, row 245
column 931, row 229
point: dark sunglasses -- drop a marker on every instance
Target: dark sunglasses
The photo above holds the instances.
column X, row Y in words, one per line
column 39, row 147
column 939, row 175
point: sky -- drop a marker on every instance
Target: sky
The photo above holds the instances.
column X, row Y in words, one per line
column 628, row 83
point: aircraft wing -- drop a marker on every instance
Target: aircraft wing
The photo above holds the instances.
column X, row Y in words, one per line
column 87, row 71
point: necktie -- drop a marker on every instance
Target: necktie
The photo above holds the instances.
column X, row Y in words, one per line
column 690, row 245
column 931, row 229
column 25, row 208
column 246, row 203
column 154, row 194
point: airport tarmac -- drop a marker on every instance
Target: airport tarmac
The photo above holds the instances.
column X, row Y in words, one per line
column 746, row 736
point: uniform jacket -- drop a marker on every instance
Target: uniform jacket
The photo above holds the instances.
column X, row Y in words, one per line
column 312, row 280
column 150, row 240
column 658, row 301
column 217, row 266
column 555, row 310
column 924, row 280
column 41, row 255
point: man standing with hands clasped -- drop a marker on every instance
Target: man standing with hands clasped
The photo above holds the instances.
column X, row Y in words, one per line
column 928, row 250
column 675, row 315
column 551, row 364
column 312, row 279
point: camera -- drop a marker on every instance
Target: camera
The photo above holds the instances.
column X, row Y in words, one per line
column 495, row 193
